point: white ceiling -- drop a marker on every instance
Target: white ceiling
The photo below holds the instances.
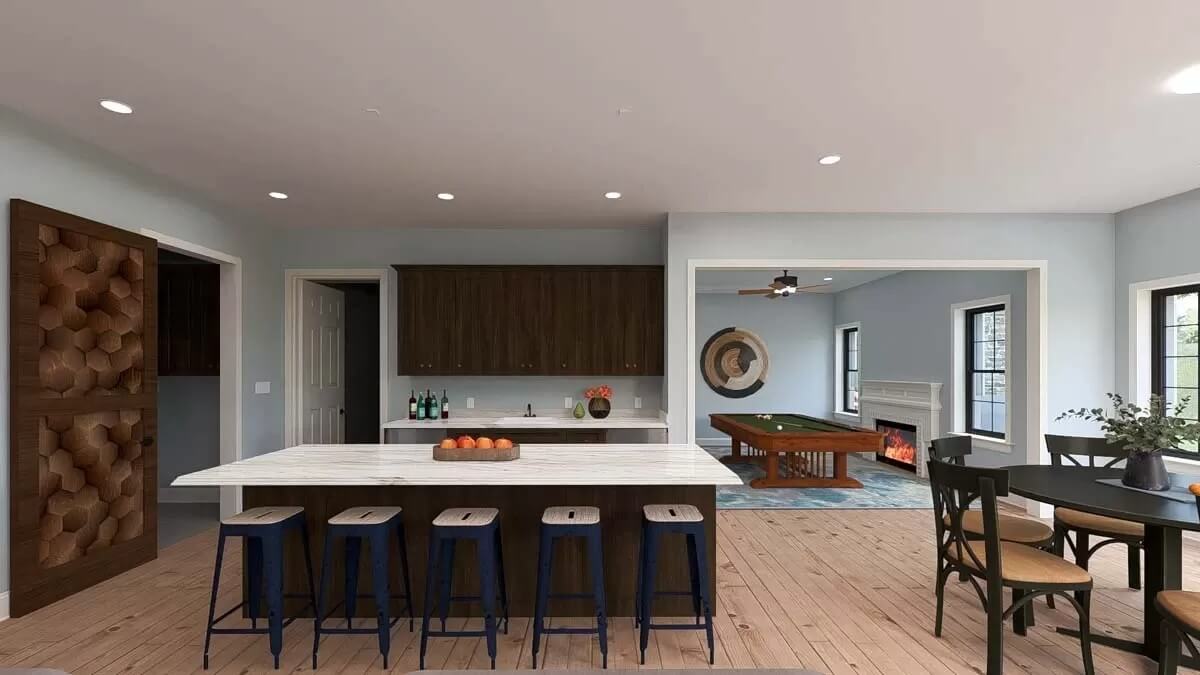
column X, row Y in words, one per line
column 733, row 280
column 936, row 105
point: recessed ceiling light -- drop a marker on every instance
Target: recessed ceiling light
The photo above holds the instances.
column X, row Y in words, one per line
column 445, row 196
column 827, row 279
column 277, row 195
column 612, row 195
column 116, row 106
column 1186, row 81
column 829, row 160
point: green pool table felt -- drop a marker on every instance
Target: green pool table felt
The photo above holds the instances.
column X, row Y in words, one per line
column 792, row 424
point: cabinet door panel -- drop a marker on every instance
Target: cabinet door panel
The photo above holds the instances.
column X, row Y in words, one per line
column 570, row 317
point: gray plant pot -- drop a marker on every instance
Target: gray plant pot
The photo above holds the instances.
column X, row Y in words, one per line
column 1146, row 471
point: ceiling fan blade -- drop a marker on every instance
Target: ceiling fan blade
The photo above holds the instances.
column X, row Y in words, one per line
column 819, row 288
column 775, row 295
column 756, row 291
column 777, row 284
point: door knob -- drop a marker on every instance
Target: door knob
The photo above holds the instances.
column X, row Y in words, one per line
column 148, row 440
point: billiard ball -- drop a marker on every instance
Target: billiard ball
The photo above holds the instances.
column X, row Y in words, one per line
column 779, row 427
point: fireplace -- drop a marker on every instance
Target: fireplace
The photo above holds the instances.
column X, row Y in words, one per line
column 899, row 444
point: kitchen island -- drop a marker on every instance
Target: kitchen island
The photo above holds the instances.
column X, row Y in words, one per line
column 617, row 478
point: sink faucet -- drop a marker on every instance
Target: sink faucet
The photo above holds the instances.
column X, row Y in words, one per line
column 529, row 410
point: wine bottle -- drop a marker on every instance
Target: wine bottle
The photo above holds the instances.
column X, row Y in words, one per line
column 445, row 406
column 420, row 406
column 412, row 405
column 428, row 405
column 435, row 408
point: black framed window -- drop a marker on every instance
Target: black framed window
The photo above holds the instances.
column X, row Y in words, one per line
column 1174, row 352
column 986, row 362
column 850, row 370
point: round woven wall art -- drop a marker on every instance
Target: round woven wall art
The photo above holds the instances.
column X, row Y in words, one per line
column 734, row 362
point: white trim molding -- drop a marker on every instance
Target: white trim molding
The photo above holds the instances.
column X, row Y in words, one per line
column 231, row 353
column 839, row 359
column 4, row 606
column 958, row 312
column 1139, row 348
column 387, row 279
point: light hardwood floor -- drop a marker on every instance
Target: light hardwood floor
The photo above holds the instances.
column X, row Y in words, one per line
column 835, row 591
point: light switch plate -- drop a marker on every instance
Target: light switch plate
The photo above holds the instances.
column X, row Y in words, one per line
column 262, row 387
column 470, row 402
column 568, row 403
column 637, row 402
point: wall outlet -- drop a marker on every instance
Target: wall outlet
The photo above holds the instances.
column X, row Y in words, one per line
column 568, row 402
column 470, row 402
column 262, row 387
column 637, row 402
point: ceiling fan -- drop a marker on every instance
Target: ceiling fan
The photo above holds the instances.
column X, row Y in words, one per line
column 783, row 286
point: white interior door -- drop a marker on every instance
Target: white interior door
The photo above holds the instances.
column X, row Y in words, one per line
column 322, row 348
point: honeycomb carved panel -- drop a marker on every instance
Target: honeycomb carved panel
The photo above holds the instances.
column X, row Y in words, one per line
column 89, row 483
column 89, row 315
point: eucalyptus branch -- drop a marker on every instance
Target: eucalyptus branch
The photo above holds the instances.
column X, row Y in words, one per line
column 1144, row 429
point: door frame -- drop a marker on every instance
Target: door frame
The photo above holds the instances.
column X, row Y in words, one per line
column 231, row 353
column 387, row 278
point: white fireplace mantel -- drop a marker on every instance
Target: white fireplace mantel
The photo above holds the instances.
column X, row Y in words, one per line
column 916, row 403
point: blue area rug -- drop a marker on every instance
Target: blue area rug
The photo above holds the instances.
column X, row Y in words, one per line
column 884, row 487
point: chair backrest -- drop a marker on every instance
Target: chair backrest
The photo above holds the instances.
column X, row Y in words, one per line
column 953, row 449
column 955, row 488
column 1098, row 451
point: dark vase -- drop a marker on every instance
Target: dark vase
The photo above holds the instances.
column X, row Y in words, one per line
column 1146, row 471
column 599, row 407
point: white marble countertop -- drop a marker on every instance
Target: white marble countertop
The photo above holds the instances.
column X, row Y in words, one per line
column 545, row 419
column 549, row 464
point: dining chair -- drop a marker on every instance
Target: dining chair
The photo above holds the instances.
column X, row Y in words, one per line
column 1029, row 572
column 1095, row 452
column 1180, row 612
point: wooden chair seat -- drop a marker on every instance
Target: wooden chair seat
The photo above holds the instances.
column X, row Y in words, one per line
column 1012, row 528
column 672, row 513
column 1027, row 565
column 1101, row 525
column 465, row 517
column 366, row 515
column 571, row 515
column 262, row 515
column 1182, row 606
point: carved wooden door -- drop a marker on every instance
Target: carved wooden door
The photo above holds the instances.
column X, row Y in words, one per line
column 83, row 383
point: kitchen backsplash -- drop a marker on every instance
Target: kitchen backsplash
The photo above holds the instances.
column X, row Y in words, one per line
column 512, row 393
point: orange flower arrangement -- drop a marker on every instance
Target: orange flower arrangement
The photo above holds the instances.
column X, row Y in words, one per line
column 603, row 391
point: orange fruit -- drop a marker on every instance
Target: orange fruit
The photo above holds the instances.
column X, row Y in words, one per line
column 503, row 443
column 483, row 443
column 466, row 442
column 448, row 443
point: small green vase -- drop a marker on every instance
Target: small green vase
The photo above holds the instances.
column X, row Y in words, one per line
column 578, row 412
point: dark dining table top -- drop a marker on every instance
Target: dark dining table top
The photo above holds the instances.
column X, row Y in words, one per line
column 1075, row 487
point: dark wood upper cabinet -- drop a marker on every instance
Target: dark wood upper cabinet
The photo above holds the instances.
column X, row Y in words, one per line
column 189, row 335
column 530, row 320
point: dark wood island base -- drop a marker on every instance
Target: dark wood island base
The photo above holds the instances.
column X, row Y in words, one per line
column 521, row 509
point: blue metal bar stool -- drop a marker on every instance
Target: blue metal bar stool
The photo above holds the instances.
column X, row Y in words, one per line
column 570, row 521
column 263, row 529
column 685, row 519
column 482, row 525
column 376, row 524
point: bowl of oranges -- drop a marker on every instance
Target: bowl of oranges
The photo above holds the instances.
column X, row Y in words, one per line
column 476, row 449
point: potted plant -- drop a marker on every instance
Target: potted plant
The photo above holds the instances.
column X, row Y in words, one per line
column 1145, row 432
column 599, row 404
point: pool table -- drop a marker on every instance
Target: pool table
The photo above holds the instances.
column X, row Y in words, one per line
column 805, row 452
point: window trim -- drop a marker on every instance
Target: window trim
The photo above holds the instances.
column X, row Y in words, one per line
column 958, row 311
column 839, row 357
column 969, row 370
column 1157, row 358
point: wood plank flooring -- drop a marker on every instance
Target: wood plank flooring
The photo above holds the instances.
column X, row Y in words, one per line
column 840, row 592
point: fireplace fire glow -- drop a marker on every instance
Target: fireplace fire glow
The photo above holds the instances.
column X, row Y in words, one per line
column 899, row 444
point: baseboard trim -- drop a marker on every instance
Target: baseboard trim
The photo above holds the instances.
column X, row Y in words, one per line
column 4, row 606
column 189, row 495
column 720, row 440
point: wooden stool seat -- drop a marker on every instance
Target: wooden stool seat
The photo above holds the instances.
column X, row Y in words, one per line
column 1012, row 528
column 466, row 517
column 672, row 513
column 1182, row 606
column 1027, row 565
column 263, row 515
column 366, row 515
column 571, row 515
column 1101, row 525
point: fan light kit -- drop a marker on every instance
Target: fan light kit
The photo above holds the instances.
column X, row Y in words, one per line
column 783, row 286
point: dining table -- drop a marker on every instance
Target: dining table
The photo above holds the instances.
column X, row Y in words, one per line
column 1165, row 519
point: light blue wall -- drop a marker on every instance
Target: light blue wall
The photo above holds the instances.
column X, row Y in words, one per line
column 907, row 334
column 798, row 333
column 1080, row 280
column 1154, row 241
column 189, row 430
column 45, row 167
